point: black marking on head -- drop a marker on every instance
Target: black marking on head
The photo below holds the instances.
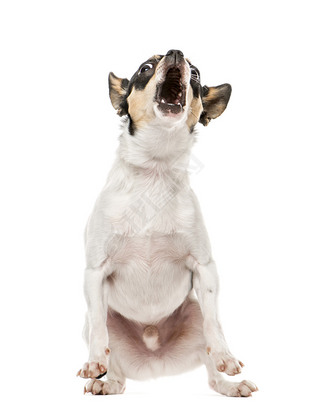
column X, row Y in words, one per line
column 192, row 128
column 131, row 127
column 195, row 80
column 124, row 107
column 143, row 75
column 124, row 83
column 205, row 91
column 139, row 81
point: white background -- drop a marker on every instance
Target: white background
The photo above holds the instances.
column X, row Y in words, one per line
column 258, row 187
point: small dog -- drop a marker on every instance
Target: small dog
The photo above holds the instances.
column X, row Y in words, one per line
column 151, row 284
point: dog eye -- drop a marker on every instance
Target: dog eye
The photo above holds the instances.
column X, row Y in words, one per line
column 146, row 67
column 195, row 74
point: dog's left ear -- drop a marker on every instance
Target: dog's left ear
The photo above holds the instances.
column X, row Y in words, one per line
column 117, row 91
column 214, row 101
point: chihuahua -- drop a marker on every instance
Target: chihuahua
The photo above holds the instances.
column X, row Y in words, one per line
column 151, row 283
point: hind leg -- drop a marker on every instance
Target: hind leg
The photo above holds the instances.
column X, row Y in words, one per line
column 217, row 382
column 206, row 284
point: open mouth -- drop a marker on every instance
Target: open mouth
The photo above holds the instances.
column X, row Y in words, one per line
column 171, row 93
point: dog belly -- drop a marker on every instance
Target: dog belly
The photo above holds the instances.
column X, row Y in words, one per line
column 147, row 297
column 150, row 279
column 180, row 343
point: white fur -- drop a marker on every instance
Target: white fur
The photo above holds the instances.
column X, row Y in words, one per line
column 147, row 249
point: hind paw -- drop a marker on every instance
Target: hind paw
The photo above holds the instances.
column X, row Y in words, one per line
column 235, row 389
column 98, row 387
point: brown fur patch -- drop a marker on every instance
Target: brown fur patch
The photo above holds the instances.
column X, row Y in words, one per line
column 116, row 91
column 151, row 331
column 215, row 102
column 140, row 103
column 212, row 94
column 195, row 110
column 151, row 337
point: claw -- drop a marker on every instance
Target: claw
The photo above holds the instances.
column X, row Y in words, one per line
column 221, row 367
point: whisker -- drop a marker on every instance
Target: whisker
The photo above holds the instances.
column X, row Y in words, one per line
column 193, row 114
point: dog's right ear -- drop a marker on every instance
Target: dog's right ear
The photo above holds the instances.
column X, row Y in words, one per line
column 117, row 91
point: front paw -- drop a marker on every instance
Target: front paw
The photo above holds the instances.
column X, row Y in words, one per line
column 226, row 362
column 95, row 369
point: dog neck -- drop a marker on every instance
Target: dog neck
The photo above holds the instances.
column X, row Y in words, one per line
column 157, row 149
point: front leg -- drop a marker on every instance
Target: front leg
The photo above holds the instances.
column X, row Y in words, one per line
column 206, row 285
column 97, row 333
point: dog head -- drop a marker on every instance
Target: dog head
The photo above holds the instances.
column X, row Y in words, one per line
column 167, row 89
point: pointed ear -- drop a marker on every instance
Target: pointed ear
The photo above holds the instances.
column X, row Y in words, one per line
column 214, row 101
column 117, row 90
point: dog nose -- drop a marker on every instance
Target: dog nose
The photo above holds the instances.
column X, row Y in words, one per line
column 178, row 53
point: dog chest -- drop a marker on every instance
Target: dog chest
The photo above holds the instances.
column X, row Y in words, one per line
column 150, row 205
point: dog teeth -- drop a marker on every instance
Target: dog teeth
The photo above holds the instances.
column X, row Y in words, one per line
column 176, row 103
column 168, row 104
